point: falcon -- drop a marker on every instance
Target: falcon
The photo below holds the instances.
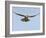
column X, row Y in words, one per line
column 26, row 17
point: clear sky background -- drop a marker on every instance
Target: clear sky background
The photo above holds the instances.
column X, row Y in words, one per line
column 33, row 24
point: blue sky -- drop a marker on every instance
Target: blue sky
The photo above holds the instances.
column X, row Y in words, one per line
column 33, row 24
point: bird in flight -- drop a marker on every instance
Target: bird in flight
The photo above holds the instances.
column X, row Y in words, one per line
column 26, row 17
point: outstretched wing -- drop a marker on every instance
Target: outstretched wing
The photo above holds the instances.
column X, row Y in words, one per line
column 20, row 14
column 34, row 15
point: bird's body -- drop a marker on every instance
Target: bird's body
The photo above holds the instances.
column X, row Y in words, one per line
column 25, row 19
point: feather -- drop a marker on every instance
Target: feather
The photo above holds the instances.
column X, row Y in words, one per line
column 20, row 14
column 27, row 16
column 34, row 15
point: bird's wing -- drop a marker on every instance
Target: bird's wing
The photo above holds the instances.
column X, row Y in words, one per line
column 34, row 15
column 20, row 14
